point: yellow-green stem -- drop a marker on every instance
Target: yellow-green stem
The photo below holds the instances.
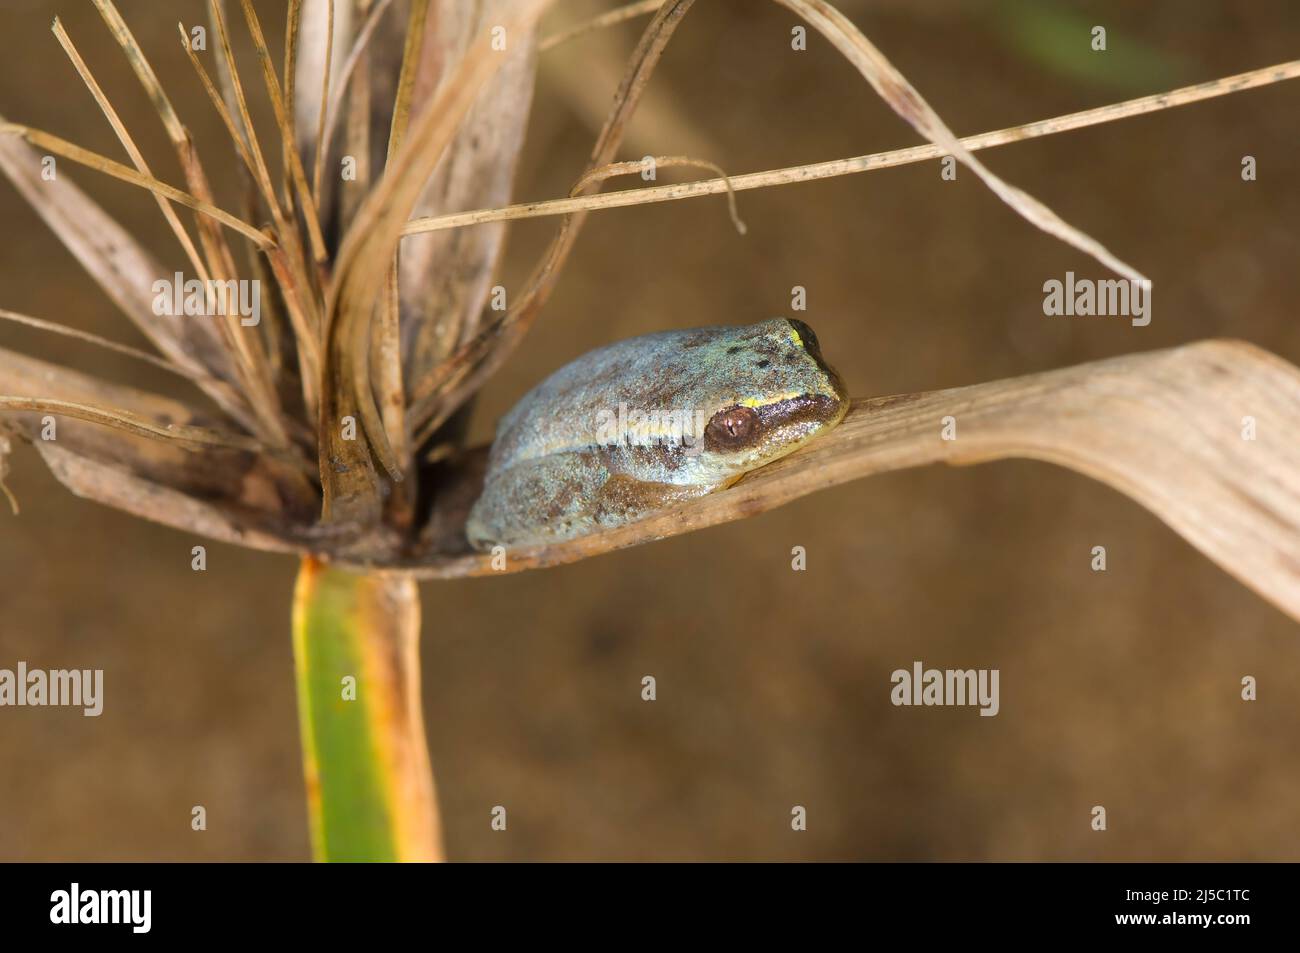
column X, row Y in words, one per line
column 370, row 793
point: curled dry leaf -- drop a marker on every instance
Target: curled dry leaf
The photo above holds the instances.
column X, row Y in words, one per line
column 226, row 493
column 1165, row 428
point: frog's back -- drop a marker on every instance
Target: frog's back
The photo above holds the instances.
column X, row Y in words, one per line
column 563, row 414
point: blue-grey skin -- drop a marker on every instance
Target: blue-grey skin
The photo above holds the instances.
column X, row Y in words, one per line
column 556, row 470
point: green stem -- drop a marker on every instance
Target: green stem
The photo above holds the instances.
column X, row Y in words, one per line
column 370, row 793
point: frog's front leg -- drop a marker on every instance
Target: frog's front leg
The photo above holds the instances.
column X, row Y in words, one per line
column 563, row 495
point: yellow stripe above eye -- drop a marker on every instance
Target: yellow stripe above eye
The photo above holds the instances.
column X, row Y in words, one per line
column 770, row 399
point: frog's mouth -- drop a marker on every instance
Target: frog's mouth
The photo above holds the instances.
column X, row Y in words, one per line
column 818, row 409
column 797, row 420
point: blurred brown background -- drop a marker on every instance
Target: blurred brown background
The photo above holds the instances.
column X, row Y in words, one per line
column 1120, row 689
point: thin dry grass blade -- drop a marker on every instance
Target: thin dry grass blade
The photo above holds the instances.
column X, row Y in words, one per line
column 289, row 281
column 93, row 160
column 124, row 271
column 124, row 137
column 322, row 146
column 55, row 328
column 130, row 423
column 903, row 98
column 296, row 172
column 249, row 357
column 219, row 104
column 292, row 23
column 614, row 169
column 230, row 75
column 368, row 250
column 162, row 103
column 285, row 228
column 416, row 24
column 291, row 269
column 356, row 138
column 612, row 18
column 437, row 395
column 445, row 280
column 220, row 258
column 1163, row 427
column 334, row 99
column 386, row 345
column 810, row 172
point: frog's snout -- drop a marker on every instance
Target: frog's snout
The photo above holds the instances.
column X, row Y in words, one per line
column 833, row 391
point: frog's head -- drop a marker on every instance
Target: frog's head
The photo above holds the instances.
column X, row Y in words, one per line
column 770, row 392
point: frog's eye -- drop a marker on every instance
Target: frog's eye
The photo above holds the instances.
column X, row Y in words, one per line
column 806, row 334
column 732, row 428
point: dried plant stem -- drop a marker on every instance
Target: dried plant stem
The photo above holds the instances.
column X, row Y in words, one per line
column 638, row 166
column 295, row 172
column 55, row 328
column 879, row 160
column 134, row 424
column 321, row 145
column 285, row 228
column 292, row 24
column 387, row 345
column 293, row 283
column 220, row 259
column 251, row 361
column 219, row 104
column 124, row 271
column 93, row 160
column 290, row 267
column 416, row 24
column 252, row 366
column 336, row 98
column 124, row 137
column 612, row 18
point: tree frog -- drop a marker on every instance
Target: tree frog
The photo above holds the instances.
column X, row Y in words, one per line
column 644, row 423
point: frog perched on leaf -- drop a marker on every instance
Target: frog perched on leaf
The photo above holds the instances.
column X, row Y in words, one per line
column 722, row 401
